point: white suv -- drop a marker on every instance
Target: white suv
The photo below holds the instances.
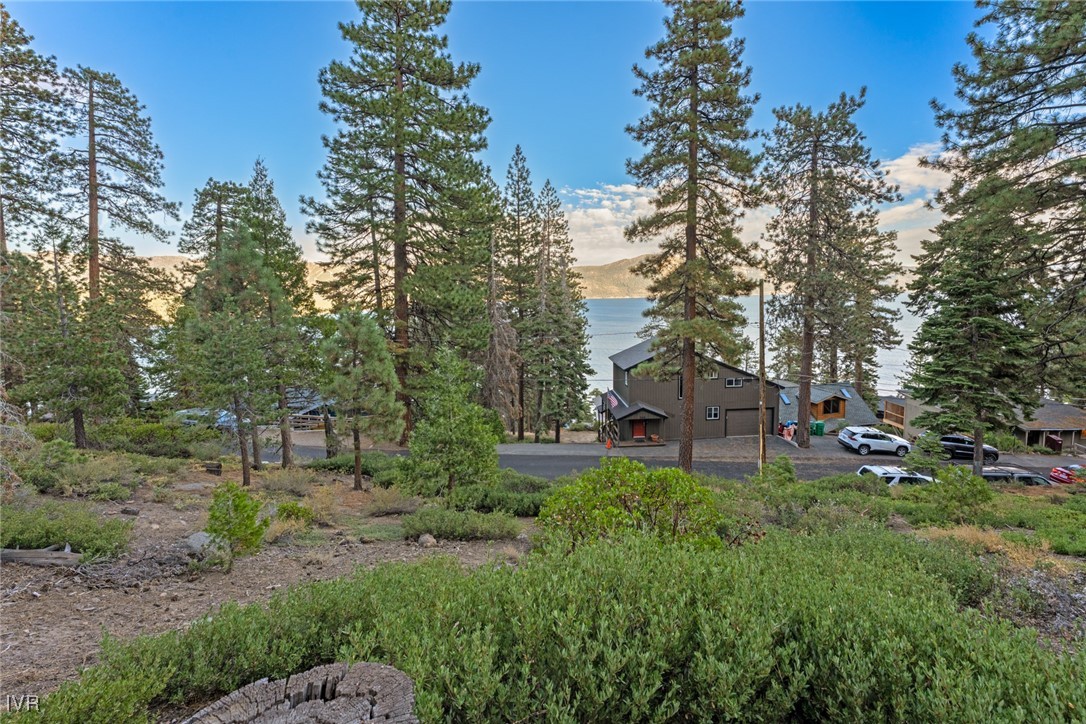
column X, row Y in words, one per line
column 893, row 476
column 866, row 440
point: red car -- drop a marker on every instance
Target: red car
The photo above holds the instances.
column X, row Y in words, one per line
column 1069, row 475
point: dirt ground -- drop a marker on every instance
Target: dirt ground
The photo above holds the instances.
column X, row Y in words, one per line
column 52, row 619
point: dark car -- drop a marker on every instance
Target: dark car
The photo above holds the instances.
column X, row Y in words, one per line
column 961, row 446
column 1012, row 475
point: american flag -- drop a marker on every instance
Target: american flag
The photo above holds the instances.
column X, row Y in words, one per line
column 612, row 400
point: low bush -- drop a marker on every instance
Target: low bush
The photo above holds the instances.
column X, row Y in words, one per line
column 373, row 462
column 43, row 468
column 1042, row 450
column 45, row 431
column 158, row 439
column 391, row 502
column 855, row 626
column 293, row 481
column 1005, row 442
column 779, row 473
column 234, row 519
column 324, row 503
column 623, row 495
column 295, row 511
column 460, row 525
column 958, row 492
column 515, row 493
column 282, row 529
column 59, row 523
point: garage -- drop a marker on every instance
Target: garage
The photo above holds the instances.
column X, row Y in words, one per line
column 740, row 422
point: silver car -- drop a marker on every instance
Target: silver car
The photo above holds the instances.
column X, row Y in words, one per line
column 866, row 440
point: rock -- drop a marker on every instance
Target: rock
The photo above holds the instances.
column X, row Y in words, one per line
column 189, row 486
column 199, row 544
column 427, row 541
column 523, row 538
column 130, row 511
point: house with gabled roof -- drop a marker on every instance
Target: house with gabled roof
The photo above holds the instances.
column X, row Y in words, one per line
column 644, row 408
column 838, row 404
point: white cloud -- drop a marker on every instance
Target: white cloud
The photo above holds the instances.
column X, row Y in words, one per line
column 598, row 216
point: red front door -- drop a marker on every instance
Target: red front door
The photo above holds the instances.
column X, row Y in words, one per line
column 637, row 427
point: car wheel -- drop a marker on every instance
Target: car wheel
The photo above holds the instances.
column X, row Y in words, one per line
column 990, row 458
column 863, row 449
column 902, row 451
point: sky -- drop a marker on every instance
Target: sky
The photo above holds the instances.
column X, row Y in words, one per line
column 226, row 83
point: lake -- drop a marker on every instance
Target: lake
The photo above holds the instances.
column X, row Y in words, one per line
column 613, row 326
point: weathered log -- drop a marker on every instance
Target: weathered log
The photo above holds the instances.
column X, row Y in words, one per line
column 330, row 694
column 43, row 557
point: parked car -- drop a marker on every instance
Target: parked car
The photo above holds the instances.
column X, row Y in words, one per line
column 1069, row 474
column 866, row 440
column 894, row 476
column 1018, row 476
column 219, row 419
column 961, row 446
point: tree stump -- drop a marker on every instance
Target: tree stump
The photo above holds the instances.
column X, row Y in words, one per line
column 331, row 694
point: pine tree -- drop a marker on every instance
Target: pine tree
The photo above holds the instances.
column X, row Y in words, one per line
column 699, row 164
column 222, row 354
column 362, row 382
column 217, row 208
column 33, row 115
column 120, row 166
column 1020, row 129
column 404, row 152
column 828, row 259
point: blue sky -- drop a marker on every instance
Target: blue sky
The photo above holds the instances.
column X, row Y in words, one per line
column 226, row 82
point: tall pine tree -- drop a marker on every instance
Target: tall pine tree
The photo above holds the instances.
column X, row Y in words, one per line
column 827, row 256
column 698, row 162
column 404, row 151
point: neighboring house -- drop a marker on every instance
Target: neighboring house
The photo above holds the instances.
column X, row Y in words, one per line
column 892, row 409
column 1054, row 419
column 726, row 399
column 838, row 404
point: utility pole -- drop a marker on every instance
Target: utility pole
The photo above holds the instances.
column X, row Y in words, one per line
column 761, row 375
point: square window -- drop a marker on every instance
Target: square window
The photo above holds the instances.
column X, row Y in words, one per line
column 712, row 413
column 714, row 374
column 733, row 382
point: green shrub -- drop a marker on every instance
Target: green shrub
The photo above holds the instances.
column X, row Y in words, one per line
column 43, row 468
column 1005, row 441
column 45, row 431
column 958, row 492
column 58, row 523
column 100, row 476
column 1042, row 450
column 373, row 462
column 234, row 519
column 780, row 472
column 515, row 493
column 460, row 525
column 294, row 481
column 848, row 627
column 391, row 501
column 387, row 478
column 623, row 495
column 290, row 510
column 158, row 439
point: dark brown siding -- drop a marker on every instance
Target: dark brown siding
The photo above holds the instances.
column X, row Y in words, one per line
column 665, row 395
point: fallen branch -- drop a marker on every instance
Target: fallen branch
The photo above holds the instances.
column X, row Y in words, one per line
column 43, row 557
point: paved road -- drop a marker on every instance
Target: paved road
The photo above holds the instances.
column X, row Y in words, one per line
column 549, row 464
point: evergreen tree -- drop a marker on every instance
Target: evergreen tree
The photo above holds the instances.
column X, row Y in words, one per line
column 519, row 247
column 223, row 355
column 216, row 210
column 33, row 115
column 402, row 165
column 1020, row 130
column 120, row 166
column 362, row 382
column 828, row 260
column 699, row 164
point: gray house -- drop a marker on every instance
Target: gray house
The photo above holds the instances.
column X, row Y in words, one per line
column 837, row 404
column 645, row 409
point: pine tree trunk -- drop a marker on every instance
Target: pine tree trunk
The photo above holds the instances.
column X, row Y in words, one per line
column 218, row 225
column 378, row 302
column 537, row 418
column 520, row 402
column 806, row 359
column 858, row 373
column 3, row 237
column 242, row 446
column 558, row 431
column 255, row 435
column 833, row 366
column 79, row 429
column 94, row 271
column 357, row 458
column 978, row 447
column 689, row 364
column 331, row 442
column 285, row 435
column 399, row 253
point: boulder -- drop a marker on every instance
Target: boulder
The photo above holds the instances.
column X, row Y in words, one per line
column 427, row 541
column 200, row 543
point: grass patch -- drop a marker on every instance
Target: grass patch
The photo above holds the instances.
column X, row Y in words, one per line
column 853, row 626
column 390, row 501
column 291, row 481
column 373, row 462
column 59, row 523
column 1019, row 552
column 370, row 532
column 460, row 525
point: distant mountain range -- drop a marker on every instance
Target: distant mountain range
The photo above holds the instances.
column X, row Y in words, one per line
column 604, row 281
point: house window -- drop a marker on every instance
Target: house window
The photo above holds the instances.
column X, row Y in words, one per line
column 733, row 382
column 831, row 406
column 712, row 413
column 680, row 386
column 714, row 374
